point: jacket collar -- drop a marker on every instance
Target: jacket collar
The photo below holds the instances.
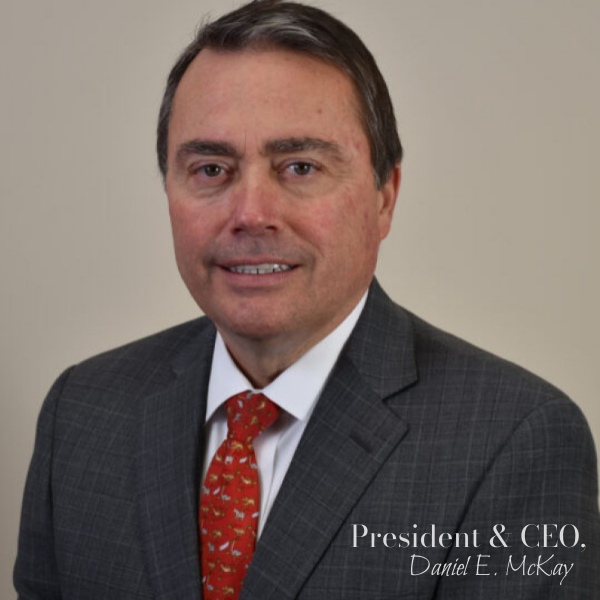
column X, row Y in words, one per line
column 381, row 346
column 170, row 449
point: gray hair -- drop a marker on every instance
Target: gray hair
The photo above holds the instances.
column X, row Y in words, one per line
column 277, row 24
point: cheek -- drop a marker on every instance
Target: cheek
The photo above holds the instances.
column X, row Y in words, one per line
column 187, row 235
column 347, row 239
column 363, row 223
column 350, row 222
column 365, row 234
column 180, row 226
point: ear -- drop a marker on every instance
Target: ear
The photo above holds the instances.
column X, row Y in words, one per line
column 387, row 201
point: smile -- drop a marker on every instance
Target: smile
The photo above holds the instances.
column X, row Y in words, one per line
column 263, row 269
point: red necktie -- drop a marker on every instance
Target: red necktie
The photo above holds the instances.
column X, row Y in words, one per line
column 230, row 502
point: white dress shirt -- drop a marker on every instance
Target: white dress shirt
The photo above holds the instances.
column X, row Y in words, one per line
column 295, row 391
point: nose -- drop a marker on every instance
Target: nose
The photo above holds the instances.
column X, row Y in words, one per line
column 256, row 205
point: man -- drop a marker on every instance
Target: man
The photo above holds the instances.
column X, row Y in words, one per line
column 396, row 460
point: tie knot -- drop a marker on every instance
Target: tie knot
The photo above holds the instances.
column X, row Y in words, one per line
column 249, row 414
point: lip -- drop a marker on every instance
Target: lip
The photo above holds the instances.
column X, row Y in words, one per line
column 255, row 261
column 256, row 280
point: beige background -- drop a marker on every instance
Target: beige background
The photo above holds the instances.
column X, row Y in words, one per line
column 495, row 237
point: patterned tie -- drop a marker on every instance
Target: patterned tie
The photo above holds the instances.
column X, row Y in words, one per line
column 230, row 503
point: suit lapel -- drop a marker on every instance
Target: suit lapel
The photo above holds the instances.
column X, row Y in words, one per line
column 347, row 440
column 169, row 450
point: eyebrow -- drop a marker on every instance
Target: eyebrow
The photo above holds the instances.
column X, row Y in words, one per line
column 205, row 148
column 303, row 144
column 277, row 146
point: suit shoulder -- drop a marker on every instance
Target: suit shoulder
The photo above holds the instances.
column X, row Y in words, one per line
column 163, row 343
column 478, row 370
column 142, row 362
column 478, row 399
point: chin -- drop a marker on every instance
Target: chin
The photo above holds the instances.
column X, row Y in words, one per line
column 251, row 324
column 256, row 332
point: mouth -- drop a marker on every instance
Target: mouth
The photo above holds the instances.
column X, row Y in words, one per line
column 262, row 269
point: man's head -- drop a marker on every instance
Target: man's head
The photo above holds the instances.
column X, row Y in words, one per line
column 275, row 24
column 276, row 207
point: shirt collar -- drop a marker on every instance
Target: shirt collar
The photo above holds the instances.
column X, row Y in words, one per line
column 298, row 388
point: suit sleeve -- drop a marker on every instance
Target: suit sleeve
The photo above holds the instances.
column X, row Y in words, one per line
column 35, row 574
column 546, row 474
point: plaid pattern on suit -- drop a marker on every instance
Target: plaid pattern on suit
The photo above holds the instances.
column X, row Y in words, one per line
column 413, row 427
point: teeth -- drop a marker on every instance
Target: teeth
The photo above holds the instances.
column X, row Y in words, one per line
column 264, row 269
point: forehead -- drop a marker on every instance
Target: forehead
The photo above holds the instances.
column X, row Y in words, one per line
column 286, row 92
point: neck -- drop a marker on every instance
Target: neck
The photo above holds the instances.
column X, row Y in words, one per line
column 262, row 361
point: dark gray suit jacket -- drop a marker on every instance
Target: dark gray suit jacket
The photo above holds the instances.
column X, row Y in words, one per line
column 415, row 427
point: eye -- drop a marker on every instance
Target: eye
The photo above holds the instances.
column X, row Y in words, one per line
column 210, row 171
column 209, row 174
column 205, row 177
column 301, row 168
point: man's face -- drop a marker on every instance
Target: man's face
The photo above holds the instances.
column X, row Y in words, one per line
column 275, row 214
